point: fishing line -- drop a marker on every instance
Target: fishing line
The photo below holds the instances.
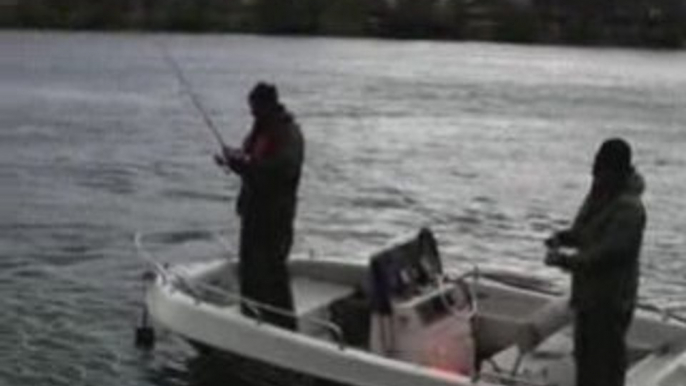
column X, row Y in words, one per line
column 188, row 89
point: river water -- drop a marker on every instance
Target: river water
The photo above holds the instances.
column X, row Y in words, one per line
column 488, row 144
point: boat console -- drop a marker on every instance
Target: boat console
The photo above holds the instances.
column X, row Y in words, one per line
column 418, row 316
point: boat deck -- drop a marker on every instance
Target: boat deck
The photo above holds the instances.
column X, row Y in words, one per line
column 550, row 363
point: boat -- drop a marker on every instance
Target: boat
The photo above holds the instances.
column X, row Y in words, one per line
column 400, row 318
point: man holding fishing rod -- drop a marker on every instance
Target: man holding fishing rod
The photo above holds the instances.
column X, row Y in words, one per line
column 269, row 164
column 603, row 257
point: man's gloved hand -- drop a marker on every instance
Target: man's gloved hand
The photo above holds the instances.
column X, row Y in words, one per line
column 222, row 163
column 219, row 160
column 236, row 159
column 555, row 257
column 553, row 242
column 232, row 160
column 238, row 163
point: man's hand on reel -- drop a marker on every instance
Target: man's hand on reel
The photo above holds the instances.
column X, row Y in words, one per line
column 232, row 160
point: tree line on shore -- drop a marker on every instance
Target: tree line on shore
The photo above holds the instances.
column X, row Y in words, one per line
column 628, row 22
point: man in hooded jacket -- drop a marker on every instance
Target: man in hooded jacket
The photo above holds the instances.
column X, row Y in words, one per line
column 606, row 236
column 269, row 164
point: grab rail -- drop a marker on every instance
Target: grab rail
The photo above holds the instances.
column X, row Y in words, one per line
column 666, row 312
column 675, row 307
column 474, row 273
column 167, row 276
column 673, row 312
column 143, row 253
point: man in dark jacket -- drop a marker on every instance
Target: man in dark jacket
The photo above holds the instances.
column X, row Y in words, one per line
column 269, row 164
column 606, row 236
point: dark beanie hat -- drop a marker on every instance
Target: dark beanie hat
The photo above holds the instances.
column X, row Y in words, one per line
column 264, row 93
column 614, row 155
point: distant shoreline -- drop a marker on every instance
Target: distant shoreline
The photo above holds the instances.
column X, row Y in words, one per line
column 657, row 24
column 609, row 45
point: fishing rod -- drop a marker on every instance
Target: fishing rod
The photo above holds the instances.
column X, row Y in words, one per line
column 188, row 89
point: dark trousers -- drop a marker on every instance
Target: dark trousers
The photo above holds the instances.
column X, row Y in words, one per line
column 600, row 347
column 264, row 277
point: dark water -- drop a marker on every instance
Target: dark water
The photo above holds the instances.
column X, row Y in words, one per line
column 488, row 144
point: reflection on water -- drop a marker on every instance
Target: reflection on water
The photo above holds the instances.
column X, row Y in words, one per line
column 488, row 144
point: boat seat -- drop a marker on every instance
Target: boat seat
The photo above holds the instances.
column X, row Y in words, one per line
column 311, row 295
column 312, row 300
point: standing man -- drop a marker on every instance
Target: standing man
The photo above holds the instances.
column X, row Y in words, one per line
column 269, row 164
column 606, row 236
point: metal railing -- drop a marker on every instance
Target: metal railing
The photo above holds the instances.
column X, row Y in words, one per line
column 168, row 276
column 673, row 311
column 467, row 287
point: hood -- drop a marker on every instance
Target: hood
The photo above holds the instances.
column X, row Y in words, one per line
column 635, row 185
column 285, row 116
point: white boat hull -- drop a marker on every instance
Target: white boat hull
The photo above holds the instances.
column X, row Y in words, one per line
column 227, row 330
column 176, row 306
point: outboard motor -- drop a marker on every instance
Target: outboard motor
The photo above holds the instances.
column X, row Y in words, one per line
column 416, row 316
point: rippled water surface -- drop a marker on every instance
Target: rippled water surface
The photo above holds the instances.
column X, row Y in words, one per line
column 488, row 144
